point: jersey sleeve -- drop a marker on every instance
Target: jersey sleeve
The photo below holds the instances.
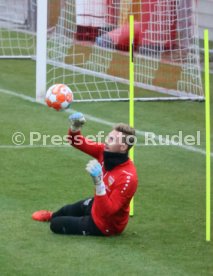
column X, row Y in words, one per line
column 77, row 140
column 107, row 205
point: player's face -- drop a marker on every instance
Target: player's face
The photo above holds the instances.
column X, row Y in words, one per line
column 114, row 142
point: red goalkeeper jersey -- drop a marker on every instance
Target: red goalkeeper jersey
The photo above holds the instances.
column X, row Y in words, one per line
column 110, row 212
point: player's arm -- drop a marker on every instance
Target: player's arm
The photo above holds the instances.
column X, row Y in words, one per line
column 77, row 140
column 121, row 195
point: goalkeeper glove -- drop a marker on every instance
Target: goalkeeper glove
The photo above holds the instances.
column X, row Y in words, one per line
column 94, row 169
column 77, row 120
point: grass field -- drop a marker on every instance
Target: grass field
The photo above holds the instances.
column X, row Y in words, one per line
column 166, row 236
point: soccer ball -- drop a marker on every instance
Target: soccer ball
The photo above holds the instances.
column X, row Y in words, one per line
column 59, row 96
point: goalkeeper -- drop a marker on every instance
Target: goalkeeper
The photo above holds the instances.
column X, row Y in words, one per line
column 115, row 180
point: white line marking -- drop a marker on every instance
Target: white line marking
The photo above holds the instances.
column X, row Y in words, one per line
column 104, row 122
column 31, row 146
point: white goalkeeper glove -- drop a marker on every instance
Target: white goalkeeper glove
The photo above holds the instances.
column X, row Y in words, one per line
column 77, row 120
column 94, row 169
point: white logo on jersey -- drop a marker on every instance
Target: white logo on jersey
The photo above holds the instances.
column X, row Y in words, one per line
column 111, row 180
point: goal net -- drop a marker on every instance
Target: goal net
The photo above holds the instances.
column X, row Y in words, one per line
column 88, row 46
column 17, row 28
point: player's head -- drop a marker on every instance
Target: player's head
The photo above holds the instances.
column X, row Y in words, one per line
column 120, row 139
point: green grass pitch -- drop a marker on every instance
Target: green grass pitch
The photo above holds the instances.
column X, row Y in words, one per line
column 166, row 236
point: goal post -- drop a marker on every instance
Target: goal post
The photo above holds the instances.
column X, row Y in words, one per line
column 87, row 47
column 41, row 50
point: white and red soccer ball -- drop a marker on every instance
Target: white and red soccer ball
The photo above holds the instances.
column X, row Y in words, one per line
column 59, row 96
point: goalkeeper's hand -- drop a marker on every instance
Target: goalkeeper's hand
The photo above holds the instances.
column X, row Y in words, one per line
column 94, row 169
column 77, row 120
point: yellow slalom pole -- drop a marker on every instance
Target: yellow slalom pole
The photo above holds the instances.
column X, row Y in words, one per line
column 131, row 90
column 208, row 141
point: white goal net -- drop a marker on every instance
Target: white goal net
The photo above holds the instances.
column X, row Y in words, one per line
column 17, row 28
column 88, row 46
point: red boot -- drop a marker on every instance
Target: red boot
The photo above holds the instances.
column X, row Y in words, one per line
column 42, row 215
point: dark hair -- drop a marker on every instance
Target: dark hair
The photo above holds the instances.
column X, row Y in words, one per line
column 128, row 132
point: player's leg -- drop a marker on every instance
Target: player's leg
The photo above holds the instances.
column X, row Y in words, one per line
column 77, row 209
column 74, row 226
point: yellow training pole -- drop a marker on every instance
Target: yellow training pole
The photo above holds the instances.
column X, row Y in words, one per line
column 131, row 90
column 208, row 141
